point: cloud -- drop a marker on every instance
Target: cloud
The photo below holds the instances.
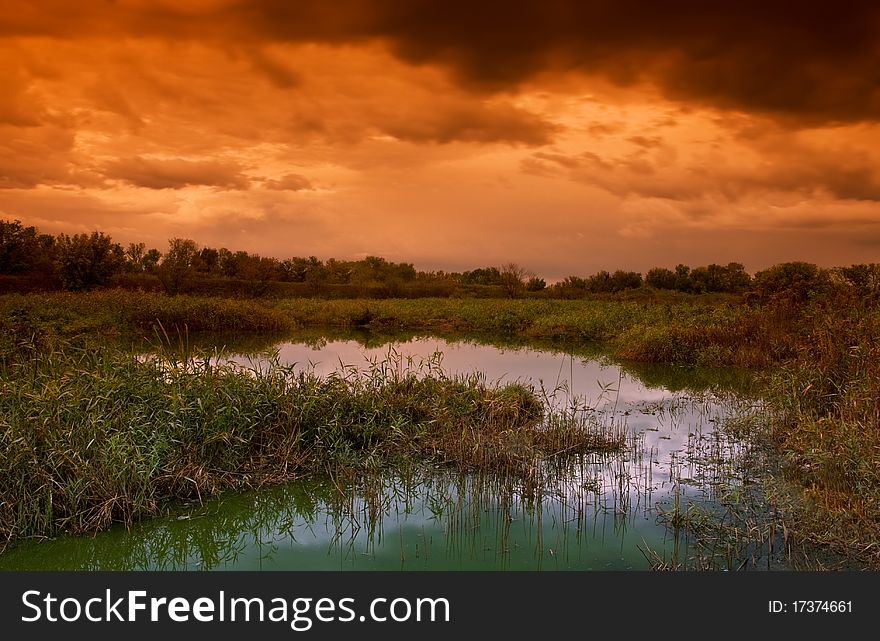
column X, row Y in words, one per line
column 191, row 95
column 276, row 70
column 176, row 173
column 16, row 107
column 288, row 182
column 465, row 122
column 108, row 98
column 805, row 62
column 645, row 141
column 422, row 128
column 625, row 176
column 40, row 155
column 718, row 161
column 808, row 63
column 840, row 175
column 59, row 210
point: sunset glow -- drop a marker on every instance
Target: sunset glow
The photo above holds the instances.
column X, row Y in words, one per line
column 567, row 136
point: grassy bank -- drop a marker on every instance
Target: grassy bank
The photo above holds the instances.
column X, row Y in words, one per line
column 93, row 435
column 819, row 378
column 672, row 328
column 806, row 468
column 669, row 329
column 827, row 428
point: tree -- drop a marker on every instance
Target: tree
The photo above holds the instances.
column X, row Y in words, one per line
column 86, row 261
column 536, row 284
column 302, row 270
column 600, row 282
column 571, row 287
column 865, row 279
column 482, row 276
column 338, row 272
column 715, row 278
column 683, row 281
column 151, row 260
column 20, row 248
column 621, row 280
column 706, row 279
column 259, row 270
column 178, row 265
column 660, row 278
column 513, row 279
column 134, row 257
column 209, row 260
column 736, row 279
column 793, row 282
column 371, row 270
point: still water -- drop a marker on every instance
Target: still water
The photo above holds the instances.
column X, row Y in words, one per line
column 593, row 512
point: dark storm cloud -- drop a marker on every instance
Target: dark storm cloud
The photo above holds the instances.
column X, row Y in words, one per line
column 289, row 182
column 811, row 63
column 34, row 156
column 17, row 108
column 816, row 62
column 107, row 98
column 278, row 73
column 176, row 173
column 841, row 174
column 467, row 122
column 844, row 177
column 644, row 141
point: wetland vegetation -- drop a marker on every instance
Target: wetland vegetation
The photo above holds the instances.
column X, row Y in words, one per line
column 498, row 506
column 98, row 430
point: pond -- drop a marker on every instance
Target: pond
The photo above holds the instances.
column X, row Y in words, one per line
column 596, row 511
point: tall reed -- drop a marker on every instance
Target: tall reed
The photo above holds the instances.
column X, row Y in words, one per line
column 93, row 435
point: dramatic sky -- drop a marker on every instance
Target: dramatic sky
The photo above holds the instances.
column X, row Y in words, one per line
column 566, row 135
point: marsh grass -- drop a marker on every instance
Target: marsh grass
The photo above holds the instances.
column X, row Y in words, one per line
column 358, row 514
column 720, row 507
column 758, row 507
column 827, row 429
column 709, row 332
column 820, row 379
column 117, row 312
column 93, row 435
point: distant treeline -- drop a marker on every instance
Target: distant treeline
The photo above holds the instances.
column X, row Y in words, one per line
column 32, row 261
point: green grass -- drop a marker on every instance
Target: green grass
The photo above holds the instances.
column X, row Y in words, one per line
column 93, row 435
column 814, row 448
column 827, row 428
column 818, row 362
column 708, row 331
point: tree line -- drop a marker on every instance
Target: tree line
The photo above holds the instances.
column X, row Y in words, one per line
column 30, row 260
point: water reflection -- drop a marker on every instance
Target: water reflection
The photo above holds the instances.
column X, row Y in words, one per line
column 434, row 519
column 588, row 512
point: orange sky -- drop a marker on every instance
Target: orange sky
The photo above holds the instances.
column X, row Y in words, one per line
column 569, row 136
